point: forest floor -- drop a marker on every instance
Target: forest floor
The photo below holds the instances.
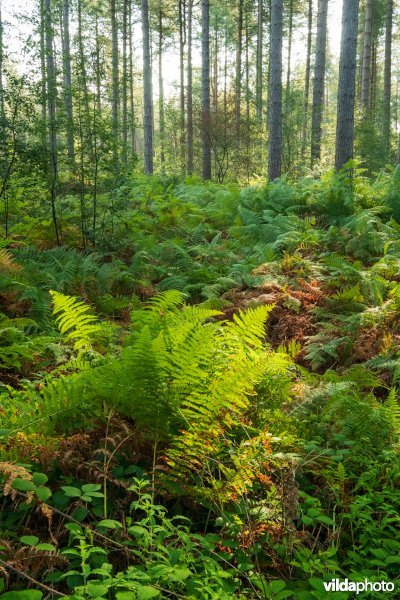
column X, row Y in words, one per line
column 205, row 404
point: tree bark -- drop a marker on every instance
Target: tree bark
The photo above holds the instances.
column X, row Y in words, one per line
column 51, row 107
column 132, row 116
column 387, row 80
column 66, row 46
column 215, row 65
column 205, row 88
column 275, row 92
column 115, row 85
column 189, row 94
column 259, row 61
column 161, row 90
column 307, row 79
column 238, row 79
column 319, row 82
column 181, row 11
column 347, row 84
column 125, row 83
column 366, row 60
column 147, row 91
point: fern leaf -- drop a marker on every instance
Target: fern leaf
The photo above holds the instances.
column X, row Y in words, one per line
column 73, row 320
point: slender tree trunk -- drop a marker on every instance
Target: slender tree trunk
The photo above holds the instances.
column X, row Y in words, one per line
column 247, row 71
column 238, row 81
column 347, row 84
column 275, row 92
column 115, row 84
column 226, row 82
column 67, row 80
column 205, row 87
column 366, row 61
column 82, row 64
column 125, row 83
column 43, row 82
column 289, row 59
column 2, row 111
column 147, row 91
column 387, row 80
column 161, row 90
column 373, row 78
column 189, row 99
column 319, row 82
column 259, row 61
column 215, row 65
column 51, row 106
column 307, row 80
column 132, row 116
column 98, row 73
column 181, row 9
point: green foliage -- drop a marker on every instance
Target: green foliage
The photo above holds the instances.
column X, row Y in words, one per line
column 266, row 417
column 73, row 320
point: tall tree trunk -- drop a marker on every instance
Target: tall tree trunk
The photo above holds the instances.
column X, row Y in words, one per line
column 189, row 99
column 51, row 106
column 97, row 67
column 132, row 116
column 205, row 88
column 319, row 81
column 161, row 90
column 125, row 83
column 238, row 79
column 259, row 61
column 347, row 84
column 275, row 92
column 115, row 84
column 43, row 82
column 215, row 65
column 372, row 102
column 147, row 91
column 82, row 65
column 181, row 11
column 289, row 59
column 67, row 80
column 387, row 80
column 247, row 70
column 366, row 60
column 307, row 79
column 2, row 111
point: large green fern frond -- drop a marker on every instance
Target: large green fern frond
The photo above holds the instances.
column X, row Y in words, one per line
column 74, row 320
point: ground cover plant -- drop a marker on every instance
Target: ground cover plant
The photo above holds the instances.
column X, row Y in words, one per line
column 205, row 404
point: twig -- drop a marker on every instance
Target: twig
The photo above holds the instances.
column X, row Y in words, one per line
column 31, row 579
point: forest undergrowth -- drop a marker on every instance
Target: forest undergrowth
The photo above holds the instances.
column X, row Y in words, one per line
column 205, row 404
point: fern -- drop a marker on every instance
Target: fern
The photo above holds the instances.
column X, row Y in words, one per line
column 73, row 320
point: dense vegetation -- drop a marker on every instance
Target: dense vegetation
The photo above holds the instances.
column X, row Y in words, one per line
column 205, row 406
column 198, row 376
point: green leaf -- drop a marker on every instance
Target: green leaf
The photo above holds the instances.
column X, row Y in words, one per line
column 97, row 590
column 39, row 478
column 29, row 540
column 326, row 520
column 43, row 493
column 317, row 584
column 91, row 487
column 46, row 547
column 71, row 492
column 109, row 523
column 22, row 485
column 277, row 586
column 144, row 592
